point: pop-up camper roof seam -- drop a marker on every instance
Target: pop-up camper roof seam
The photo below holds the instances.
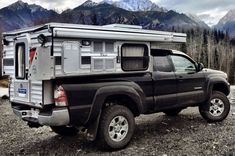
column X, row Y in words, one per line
column 92, row 27
column 116, row 29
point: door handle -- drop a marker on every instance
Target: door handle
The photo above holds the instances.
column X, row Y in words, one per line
column 180, row 79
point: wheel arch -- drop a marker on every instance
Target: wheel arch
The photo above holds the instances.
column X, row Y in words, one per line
column 124, row 100
column 218, row 84
column 134, row 99
column 222, row 87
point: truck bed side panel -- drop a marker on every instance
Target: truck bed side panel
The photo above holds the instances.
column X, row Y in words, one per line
column 81, row 93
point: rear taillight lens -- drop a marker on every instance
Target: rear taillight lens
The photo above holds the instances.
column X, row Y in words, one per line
column 60, row 97
column 32, row 53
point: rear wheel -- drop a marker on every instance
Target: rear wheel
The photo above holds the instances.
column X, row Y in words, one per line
column 216, row 109
column 173, row 112
column 116, row 127
column 64, row 130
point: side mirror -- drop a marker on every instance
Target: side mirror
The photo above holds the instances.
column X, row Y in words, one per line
column 200, row 66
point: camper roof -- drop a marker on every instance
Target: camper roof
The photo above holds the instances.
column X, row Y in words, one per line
column 118, row 28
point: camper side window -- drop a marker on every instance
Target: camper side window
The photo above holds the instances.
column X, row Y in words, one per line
column 20, row 61
column 134, row 57
column 98, row 47
column 103, row 47
column 109, row 47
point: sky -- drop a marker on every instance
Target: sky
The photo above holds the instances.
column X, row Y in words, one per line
column 210, row 11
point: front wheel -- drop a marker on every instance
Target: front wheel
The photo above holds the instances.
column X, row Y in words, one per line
column 116, row 127
column 64, row 130
column 216, row 109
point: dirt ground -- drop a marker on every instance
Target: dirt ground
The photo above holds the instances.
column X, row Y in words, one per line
column 157, row 134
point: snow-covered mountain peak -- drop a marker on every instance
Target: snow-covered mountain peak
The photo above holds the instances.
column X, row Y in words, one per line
column 230, row 16
column 135, row 5
column 89, row 3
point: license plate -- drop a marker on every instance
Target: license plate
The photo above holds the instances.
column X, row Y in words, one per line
column 22, row 92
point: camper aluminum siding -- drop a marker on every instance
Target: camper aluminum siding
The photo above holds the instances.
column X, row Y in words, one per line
column 36, row 87
column 116, row 34
column 8, row 62
column 65, row 35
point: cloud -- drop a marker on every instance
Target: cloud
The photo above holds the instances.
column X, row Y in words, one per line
column 212, row 16
column 208, row 10
column 197, row 6
column 58, row 4
column 52, row 4
column 5, row 3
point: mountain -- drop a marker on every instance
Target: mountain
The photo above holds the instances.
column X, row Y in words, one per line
column 89, row 3
column 105, row 13
column 227, row 23
column 136, row 5
column 20, row 14
column 198, row 20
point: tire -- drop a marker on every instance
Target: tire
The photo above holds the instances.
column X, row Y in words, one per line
column 216, row 109
column 65, row 131
column 173, row 112
column 115, row 117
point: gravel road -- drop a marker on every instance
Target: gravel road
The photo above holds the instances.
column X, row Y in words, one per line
column 157, row 134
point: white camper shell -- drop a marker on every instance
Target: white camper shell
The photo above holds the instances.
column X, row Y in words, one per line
column 32, row 57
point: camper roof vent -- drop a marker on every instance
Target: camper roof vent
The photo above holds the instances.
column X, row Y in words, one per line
column 123, row 26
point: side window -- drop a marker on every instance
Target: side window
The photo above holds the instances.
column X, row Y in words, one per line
column 103, row 46
column 109, row 47
column 98, row 46
column 162, row 64
column 182, row 64
column 134, row 57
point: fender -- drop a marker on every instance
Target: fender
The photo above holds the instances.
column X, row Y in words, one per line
column 216, row 80
column 102, row 93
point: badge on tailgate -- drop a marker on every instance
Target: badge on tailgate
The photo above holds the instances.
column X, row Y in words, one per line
column 21, row 90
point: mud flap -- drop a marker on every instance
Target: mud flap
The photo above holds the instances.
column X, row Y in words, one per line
column 92, row 129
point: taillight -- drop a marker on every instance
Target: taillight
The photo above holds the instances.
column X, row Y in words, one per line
column 60, row 97
column 32, row 53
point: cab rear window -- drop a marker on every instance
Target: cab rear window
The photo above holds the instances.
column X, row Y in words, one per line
column 162, row 64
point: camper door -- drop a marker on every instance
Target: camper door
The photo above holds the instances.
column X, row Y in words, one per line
column 21, row 84
column 71, row 57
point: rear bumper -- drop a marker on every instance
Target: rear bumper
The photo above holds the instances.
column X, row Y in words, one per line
column 56, row 117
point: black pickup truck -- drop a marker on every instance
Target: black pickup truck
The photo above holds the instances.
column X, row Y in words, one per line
column 105, row 106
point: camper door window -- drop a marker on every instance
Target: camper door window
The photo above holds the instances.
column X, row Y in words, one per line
column 20, row 61
column 134, row 57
